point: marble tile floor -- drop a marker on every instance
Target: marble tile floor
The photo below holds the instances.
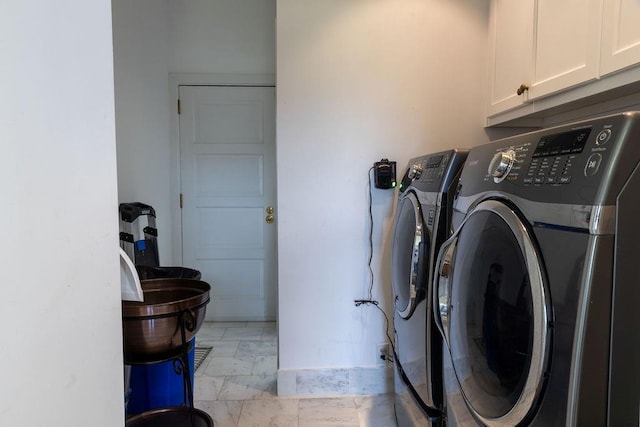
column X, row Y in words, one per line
column 236, row 385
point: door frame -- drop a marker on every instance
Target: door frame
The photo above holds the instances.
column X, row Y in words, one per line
column 196, row 79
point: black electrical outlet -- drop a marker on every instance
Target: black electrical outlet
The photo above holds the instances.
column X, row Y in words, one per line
column 384, row 174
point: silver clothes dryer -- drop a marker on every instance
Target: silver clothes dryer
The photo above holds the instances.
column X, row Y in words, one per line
column 422, row 223
column 537, row 289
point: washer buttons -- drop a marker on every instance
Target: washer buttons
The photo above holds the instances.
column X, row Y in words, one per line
column 603, row 136
column 593, row 164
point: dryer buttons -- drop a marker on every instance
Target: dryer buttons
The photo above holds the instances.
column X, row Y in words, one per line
column 550, row 170
column 593, row 164
column 603, row 136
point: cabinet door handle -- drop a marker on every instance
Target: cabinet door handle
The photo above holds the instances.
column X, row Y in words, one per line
column 523, row 87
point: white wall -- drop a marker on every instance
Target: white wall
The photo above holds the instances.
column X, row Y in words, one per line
column 222, row 36
column 61, row 357
column 142, row 111
column 358, row 81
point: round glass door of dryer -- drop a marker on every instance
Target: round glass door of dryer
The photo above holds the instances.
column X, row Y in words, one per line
column 495, row 314
column 409, row 256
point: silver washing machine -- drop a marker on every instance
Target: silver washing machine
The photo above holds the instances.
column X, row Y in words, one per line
column 422, row 223
column 537, row 290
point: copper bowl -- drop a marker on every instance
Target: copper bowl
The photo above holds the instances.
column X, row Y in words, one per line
column 171, row 417
column 152, row 330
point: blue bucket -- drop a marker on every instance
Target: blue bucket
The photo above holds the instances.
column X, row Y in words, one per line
column 158, row 385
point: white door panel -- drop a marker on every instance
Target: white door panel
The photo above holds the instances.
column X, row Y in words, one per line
column 566, row 46
column 230, row 228
column 214, row 173
column 620, row 35
column 239, row 123
column 227, row 151
column 245, row 273
column 511, row 58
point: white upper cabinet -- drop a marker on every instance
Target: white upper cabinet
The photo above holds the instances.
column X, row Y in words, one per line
column 620, row 35
column 538, row 47
column 560, row 53
column 566, row 45
column 511, row 39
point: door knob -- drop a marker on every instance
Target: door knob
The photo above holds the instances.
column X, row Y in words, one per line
column 269, row 219
column 522, row 89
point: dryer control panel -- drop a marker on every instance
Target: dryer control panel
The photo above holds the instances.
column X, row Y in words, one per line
column 553, row 160
column 427, row 172
column 566, row 164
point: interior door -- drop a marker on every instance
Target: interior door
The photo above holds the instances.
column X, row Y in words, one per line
column 227, row 170
column 493, row 308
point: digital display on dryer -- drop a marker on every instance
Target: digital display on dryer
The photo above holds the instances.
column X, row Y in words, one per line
column 562, row 143
column 434, row 161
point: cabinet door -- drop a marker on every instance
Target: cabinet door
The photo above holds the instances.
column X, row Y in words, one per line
column 510, row 53
column 620, row 35
column 566, row 44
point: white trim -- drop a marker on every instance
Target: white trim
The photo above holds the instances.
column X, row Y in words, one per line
column 220, row 79
column 195, row 79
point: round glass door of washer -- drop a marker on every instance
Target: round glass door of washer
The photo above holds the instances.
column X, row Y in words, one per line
column 494, row 313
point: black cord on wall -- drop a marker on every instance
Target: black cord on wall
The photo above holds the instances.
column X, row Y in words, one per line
column 371, row 276
column 370, row 299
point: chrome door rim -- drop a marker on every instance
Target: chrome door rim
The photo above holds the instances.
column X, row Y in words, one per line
column 406, row 312
column 540, row 347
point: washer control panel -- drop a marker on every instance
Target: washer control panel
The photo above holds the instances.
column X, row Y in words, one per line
column 433, row 167
column 554, row 159
column 426, row 171
column 578, row 163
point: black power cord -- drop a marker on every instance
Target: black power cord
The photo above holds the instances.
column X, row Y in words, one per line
column 370, row 300
column 376, row 304
column 370, row 234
